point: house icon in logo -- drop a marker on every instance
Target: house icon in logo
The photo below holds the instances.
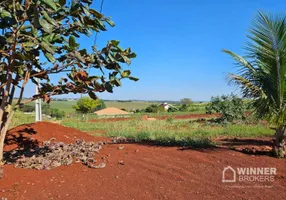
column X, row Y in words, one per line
column 226, row 170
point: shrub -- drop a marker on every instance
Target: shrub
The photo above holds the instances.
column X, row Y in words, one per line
column 138, row 110
column 154, row 108
column 59, row 114
column 172, row 109
column 230, row 107
column 46, row 109
column 27, row 108
column 183, row 108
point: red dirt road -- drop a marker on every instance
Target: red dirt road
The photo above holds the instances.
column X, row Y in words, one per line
column 145, row 172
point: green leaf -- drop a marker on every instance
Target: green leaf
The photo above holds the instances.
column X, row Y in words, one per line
column 115, row 42
column 110, row 22
column 95, row 13
column 116, row 82
column 29, row 44
column 133, row 78
column 73, row 45
column 92, row 95
column 49, row 19
column 86, row 11
column 47, row 47
column 34, row 31
column 4, row 13
column 132, row 55
column 50, row 57
column 125, row 73
column 108, row 87
column 47, row 27
column 50, row 3
column 100, row 24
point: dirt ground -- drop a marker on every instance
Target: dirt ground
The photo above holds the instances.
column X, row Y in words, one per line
column 137, row 171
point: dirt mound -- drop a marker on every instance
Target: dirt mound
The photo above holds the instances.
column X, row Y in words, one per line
column 112, row 119
column 31, row 135
column 111, row 111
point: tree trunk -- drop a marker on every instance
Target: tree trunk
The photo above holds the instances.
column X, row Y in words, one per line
column 280, row 142
column 1, row 170
column 2, row 139
column 4, row 125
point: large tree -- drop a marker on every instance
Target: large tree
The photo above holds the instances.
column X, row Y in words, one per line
column 262, row 73
column 38, row 38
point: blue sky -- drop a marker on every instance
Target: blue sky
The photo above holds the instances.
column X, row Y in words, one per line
column 179, row 44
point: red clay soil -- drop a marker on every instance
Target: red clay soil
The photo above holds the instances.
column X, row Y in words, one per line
column 191, row 116
column 141, row 172
column 36, row 133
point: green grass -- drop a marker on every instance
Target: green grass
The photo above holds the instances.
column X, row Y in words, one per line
column 164, row 132
column 67, row 105
column 61, row 105
column 127, row 105
column 172, row 132
column 20, row 118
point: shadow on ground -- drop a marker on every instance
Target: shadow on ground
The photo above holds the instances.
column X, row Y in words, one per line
column 262, row 146
column 21, row 144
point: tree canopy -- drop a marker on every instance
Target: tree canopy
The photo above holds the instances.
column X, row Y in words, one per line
column 262, row 72
column 86, row 105
column 39, row 38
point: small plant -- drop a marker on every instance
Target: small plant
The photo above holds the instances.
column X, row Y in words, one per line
column 170, row 119
column 142, row 136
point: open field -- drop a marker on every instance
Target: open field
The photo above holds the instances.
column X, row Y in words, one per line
column 168, row 131
column 127, row 105
column 66, row 106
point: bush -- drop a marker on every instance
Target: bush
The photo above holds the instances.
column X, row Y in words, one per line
column 27, row 108
column 153, row 109
column 59, row 114
column 46, row 109
column 230, row 107
column 172, row 109
column 138, row 110
column 183, row 108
